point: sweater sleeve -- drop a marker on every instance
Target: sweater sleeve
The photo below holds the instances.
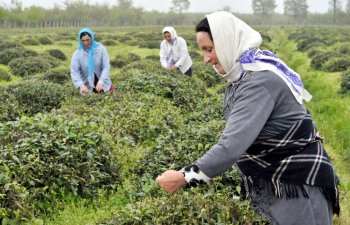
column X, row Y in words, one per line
column 163, row 55
column 183, row 53
column 75, row 71
column 251, row 109
column 106, row 67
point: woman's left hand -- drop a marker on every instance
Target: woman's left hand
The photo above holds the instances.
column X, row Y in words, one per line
column 171, row 180
column 99, row 87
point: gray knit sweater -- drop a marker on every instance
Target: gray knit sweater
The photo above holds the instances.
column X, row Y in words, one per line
column 257, row 107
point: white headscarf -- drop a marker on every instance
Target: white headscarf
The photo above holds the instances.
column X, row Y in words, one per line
column 172, row 32
column 233, row 37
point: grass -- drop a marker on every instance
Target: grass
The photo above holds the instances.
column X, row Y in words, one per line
column 14, row 80
column 82, row 212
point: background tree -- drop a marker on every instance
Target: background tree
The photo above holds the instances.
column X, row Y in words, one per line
column 347, row 8
column 335, row 8
column 34, row 14
column 17, row 4
column 264, row 7
column 3, row 13
column 296, row 8
column 3, row 4
column 227, row 8
column 125, row 4
column 179, row 6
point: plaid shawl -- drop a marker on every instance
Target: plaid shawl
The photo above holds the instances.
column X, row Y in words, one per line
column 286, row 162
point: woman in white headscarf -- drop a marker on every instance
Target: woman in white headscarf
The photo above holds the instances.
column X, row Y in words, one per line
column 269, row 133
column 173, row 52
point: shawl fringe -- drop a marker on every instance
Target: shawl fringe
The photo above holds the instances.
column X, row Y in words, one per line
column 287, row 190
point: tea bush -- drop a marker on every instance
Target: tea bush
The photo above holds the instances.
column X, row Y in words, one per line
column 178, row 148
column 148, row 36
column 53, row 61
column 7, row 44
column 315, row 51
column 47, row 157
column 149, row 44
column 58, row 54
column 110, row 36
column 10, row 108
column 150, row 65
column 124, row 38
column 265, row 37
column 133, row 42
column 305, row 44
column 66, row 36
column 4, row 75
column 64, row 43
column 182, row 90
column 99, row 37
column 127, row 117
column 191, row 40
column 45, row 41
column 109, row 43
column 337, row 64
column 58, row 76
column 206, row 110
column 120, row 61
column 194, row 55
column 298, row 35
column 187, row 207
column 153, row 57
column 319, row 59
column 345, row 82
column 29, row 66
column 344, row 48
column 133, row 57
column 30, row 41
column 38, row 96
column 175, row 148
column 207, row 74
column 10, row 54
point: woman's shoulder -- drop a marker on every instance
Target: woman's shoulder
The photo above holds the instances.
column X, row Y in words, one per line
column 163, row 43
column 274, row 84
column 76, row 53
column 100, row 49
column 266, row 77
column 100, row 46
column 262, row 80
column 180, row 39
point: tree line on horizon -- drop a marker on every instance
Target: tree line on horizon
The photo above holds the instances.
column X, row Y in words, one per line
column 123, row 13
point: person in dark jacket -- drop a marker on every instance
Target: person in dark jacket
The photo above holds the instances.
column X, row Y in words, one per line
column 269, row 134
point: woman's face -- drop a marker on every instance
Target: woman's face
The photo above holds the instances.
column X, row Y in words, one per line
column 86, row 41
column 208, row 48
column 167, row 36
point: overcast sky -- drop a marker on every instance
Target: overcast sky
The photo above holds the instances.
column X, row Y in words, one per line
column 241, row 6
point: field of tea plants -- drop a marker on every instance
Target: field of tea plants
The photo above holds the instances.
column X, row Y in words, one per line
column 71, row 159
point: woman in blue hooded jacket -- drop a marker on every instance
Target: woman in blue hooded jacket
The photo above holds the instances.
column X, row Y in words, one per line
column 90, row 65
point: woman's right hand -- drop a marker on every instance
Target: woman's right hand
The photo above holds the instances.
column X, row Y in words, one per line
column 171, row 180
column 84, row 89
